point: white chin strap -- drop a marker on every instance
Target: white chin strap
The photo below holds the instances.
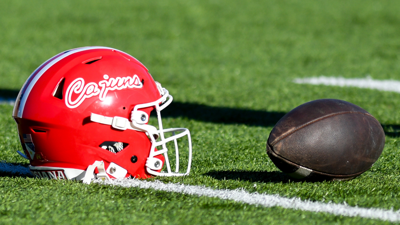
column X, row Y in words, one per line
column 89, row 175
column 121, row 123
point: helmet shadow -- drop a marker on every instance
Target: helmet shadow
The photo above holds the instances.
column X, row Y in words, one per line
column 201, row 112
column 391, row 130
column 225, row 115
column 14, row 170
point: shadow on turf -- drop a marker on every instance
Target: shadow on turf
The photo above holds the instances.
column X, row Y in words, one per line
column 225, row 115
column 201, row 112
column 262, row 177
column 391, row 130
column 215, row 114
column 8, row 96
column 14, row 170
column 9, row 93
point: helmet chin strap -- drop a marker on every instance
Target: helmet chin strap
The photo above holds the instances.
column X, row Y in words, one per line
column 122, row 123
column 89, row 174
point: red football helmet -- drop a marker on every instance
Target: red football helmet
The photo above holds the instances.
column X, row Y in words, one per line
column 85, row 113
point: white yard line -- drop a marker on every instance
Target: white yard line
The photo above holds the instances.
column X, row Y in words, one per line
column 241, row 196
column 382, row 85
column 266, row 200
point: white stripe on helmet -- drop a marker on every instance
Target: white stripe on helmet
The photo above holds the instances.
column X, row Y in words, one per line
column 44, row 69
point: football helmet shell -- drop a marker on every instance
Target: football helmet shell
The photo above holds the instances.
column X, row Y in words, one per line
column 85, row 113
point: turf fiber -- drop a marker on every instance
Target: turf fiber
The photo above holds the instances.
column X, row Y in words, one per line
column 229, row 65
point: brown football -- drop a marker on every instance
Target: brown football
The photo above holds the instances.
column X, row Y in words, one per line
column 326, row 139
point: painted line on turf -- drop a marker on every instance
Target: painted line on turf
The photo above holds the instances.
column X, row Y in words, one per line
column 382, row 85
column 242, row 196
column 368, row 82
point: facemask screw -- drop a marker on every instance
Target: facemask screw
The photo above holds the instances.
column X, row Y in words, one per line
column 143, row 118
column 112, row 170
column 134, row 159
column 157, row 164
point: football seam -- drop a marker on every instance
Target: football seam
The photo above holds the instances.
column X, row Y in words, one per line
column 316, row 171
column 313, row 121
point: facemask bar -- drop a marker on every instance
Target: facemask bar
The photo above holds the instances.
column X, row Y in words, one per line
column 138, row 122
column 153, row 164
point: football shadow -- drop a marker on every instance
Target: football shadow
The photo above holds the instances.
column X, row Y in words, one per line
column 251, row 176
column 391, row 130
column 14, row 170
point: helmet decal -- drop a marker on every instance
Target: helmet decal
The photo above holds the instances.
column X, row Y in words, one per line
column 50, row 174
column 91, row 89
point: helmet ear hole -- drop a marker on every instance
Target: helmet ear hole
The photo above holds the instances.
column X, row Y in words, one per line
column 113, row 146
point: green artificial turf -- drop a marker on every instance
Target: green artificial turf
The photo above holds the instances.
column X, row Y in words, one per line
column 230, row 66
